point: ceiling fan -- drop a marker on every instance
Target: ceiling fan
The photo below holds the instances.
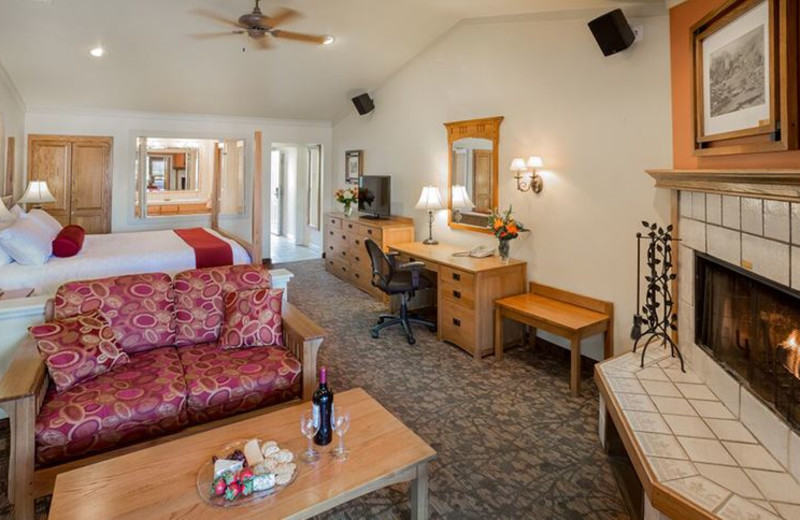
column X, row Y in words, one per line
column 257, row 26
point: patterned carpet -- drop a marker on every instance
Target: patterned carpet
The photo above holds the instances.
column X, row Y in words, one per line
column 513, row 442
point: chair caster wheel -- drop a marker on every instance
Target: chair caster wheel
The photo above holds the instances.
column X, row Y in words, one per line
column 374, row 335
column 432, row 329
column 381, row 320
column 411, row 341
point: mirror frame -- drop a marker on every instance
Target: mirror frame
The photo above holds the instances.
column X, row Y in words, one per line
column 485, row 128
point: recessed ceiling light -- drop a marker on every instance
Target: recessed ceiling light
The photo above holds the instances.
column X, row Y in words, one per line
column 97, row 52
column 328, row 40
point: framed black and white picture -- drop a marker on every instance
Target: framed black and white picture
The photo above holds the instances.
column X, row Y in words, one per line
column 738, row 88
column 353, row 165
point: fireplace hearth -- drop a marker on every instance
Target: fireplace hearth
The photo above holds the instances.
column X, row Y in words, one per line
column 751, row 326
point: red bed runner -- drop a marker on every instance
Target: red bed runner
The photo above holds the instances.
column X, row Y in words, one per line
column 209, row 250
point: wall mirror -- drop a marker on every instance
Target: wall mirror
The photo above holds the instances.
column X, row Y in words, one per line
column 472, row 181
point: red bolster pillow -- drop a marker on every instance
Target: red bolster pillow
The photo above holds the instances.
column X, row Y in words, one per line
column 69, row 241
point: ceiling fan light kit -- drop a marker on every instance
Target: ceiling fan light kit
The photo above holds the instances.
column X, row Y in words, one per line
column 258, row 26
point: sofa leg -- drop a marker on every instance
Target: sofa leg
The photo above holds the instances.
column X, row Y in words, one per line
column 310, row 351
column 22, row 416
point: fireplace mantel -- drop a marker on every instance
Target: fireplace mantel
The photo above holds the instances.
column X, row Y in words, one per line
column 763, row 184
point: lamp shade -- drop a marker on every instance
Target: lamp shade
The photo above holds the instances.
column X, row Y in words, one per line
column 430, row 199
column 461, row 198
column 37, row 193
column 535, row 161
column 518, row 165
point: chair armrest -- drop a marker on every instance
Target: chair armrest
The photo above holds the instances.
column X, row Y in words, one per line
column 303, row 338
column 408, row 266
column 27, row 374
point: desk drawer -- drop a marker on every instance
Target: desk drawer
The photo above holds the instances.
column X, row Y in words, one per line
column 334, row 223
column 461, row 294
column 462, row 280
column 458, row 325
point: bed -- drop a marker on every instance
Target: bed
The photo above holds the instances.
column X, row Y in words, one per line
column 110, row 255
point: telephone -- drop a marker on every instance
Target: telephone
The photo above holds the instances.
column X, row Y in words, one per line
column 477, row 252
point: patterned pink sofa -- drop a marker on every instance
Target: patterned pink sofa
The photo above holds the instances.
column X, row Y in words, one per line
column 177, row 378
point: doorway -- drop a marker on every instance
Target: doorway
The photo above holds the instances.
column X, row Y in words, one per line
column 295, row 202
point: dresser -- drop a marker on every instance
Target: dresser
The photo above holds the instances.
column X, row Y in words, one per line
column 466, row 291
column 345, row 253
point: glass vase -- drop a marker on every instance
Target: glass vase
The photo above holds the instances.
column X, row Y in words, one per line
column 348, row 209
column 504, row 248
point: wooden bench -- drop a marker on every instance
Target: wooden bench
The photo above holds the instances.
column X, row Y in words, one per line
column 558, row 312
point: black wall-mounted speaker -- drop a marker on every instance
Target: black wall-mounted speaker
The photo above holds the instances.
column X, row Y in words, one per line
column 612, row 32
column 364, row 104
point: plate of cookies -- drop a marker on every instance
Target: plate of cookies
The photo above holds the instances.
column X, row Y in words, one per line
column 244, row 472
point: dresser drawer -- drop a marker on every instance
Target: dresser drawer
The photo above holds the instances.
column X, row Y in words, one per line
column 375, row 234
column 459, row 293
column 458, row 325
column 361, row 277
column 460, row 279
column 349, row 225
column 359, row 259
column 356, row 242
column 341, row 269
column 334, row 223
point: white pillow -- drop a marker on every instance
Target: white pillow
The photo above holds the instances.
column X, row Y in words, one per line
column 5, row 258
column 27, row 241
column 5, row 215
column 47, row 220
column 17, row 211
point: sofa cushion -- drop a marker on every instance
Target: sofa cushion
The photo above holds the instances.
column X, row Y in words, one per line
column 140, row 308
column 77, row 349
column 252, row 318
column 143, row 399
column 226, row 382
column 199, row 307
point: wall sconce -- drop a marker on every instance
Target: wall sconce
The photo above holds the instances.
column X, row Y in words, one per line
column 532, row 181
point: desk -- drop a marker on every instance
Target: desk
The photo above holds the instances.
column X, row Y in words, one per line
column 558, row 312
column 466, row 291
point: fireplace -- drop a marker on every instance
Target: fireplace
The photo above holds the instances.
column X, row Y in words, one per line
column 751, row 326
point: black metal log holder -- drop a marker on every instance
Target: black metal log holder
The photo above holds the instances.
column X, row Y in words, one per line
column 658, row 319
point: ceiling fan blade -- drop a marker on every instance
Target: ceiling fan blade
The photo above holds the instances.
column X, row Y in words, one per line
column 210, row 36
column 215, row 17
column 310, row 38
column 279, row 18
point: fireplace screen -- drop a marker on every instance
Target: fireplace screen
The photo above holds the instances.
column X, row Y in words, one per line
column 751, row 326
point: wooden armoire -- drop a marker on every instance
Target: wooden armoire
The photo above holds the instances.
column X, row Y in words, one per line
column 78, row 171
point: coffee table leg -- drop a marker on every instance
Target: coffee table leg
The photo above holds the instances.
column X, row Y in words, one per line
column 419, row 494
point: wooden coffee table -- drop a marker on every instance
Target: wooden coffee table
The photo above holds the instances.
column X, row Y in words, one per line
column 160, row 481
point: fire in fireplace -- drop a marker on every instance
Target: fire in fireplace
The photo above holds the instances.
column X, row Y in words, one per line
column 751, row 326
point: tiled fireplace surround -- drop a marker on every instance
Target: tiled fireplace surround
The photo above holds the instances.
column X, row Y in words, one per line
column 760, row 235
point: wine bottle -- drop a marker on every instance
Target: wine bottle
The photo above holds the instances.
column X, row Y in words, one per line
column 322, row 405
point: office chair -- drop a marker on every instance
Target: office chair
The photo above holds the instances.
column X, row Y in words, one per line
column 392, row 279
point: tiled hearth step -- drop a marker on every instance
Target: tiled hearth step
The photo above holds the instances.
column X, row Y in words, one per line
column 692, row 444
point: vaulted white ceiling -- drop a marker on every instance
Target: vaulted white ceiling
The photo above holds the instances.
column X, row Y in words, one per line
column 153, row 63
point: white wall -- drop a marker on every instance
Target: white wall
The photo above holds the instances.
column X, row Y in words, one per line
column 597, row 122
column 12, row 122
column 124, row 127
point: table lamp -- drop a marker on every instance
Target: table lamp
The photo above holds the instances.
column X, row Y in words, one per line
column 37, row 194
column 460, row 200
column 430, row 200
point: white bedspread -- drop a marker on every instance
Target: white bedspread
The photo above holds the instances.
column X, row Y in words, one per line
column 111, row 255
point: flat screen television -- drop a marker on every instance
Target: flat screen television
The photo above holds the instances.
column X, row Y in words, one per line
column 375, row 195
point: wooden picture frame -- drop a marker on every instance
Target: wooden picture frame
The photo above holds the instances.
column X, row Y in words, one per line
column 353, row 166
column 745, row 78
column 11, row 150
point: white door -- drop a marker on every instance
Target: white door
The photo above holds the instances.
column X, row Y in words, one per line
column 276, row 190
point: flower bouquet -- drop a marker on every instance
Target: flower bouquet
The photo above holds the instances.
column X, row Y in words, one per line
column 506, row 229
column 347, row 196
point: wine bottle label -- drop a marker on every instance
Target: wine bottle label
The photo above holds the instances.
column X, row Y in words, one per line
column 333, row 413
column 316, row 415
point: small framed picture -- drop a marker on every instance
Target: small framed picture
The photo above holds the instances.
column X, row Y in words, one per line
column 739, row 85
column 353, row 166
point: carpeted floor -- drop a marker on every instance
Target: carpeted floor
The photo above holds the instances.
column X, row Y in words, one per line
column 513, row 442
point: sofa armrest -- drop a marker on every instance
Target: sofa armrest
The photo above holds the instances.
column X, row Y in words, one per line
column 303, row 338
column 27, row 374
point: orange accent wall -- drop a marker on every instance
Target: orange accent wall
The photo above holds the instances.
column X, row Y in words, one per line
column 682, row 18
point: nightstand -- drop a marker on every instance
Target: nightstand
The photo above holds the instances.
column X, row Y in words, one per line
column 13, row 294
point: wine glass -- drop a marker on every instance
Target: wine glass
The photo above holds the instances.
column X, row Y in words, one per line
column 340, row 423
column 308, row 428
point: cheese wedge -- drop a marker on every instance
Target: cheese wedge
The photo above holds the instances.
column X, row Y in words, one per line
column 252, row 452
column 223, row 465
